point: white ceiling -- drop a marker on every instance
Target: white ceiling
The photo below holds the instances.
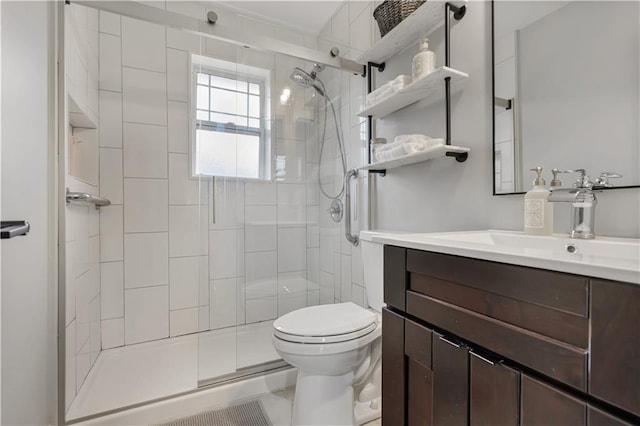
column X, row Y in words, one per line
column 306, row 15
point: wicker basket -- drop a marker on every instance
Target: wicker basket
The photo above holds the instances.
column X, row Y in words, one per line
column 391, row 12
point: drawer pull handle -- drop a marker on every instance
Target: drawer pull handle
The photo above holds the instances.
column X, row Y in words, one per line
column 483, row 358
column 449, row 342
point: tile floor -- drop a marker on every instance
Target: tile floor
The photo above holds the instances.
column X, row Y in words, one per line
column 278, row 407
column 138, row 373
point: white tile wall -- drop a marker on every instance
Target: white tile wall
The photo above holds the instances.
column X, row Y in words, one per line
column 146, row 313
column 292, row 255
column 261, row 274
column 143, row 45
column 226, row 253
column 187, row 276
column 184, row 190
column 260, row 228
column 110, row 65
column 227, row 205
column 111, row 174
column 187, row 231
column 112, row 290
column 146, row 205
column 183, row 321
column 112, row 333
column 223, row 303
column 177, row 75
column 146, row 259
column 145, row 151
column 261, row 309
column 178, row 113
column 109, row 23
column 144, row 96
column 111, row 233
column 110, row 119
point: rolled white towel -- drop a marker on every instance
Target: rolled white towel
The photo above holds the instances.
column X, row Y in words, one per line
column 387, row 89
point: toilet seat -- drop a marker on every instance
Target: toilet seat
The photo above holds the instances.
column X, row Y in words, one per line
column 321, row 324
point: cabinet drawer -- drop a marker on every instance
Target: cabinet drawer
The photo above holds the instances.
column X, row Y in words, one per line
column 566, row 327
column 561, row 361
column 555, row 290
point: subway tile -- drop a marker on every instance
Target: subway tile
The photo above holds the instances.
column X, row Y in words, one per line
column 292, row 215
column 291, row 194
column 146, row 314
column 261, row 309
column 145, row 151
column 357, row 270
column 345, row 278
column 183, row 189
column 313, row 227
column 291, row 302
column 227, row 203
column 83, row 364
column 340, row 26
column 178, row 126
column 70, row 284
column 112, row 333
column 184, row 282
column 110, row 63
column 110, row 128
column 203, row 316
column 109, row 23
column 146, row 260
column 144, row 96
column 327, row 288
column 188, row 234
column 146, row 205
column 183, row 321
column 111, row 175
column 112, row 290
column 361, row 30
column 223, row 303
column 111, row 233
column 313, row 268
column 261, row 277
column 177, row 75
column 260, row 193
column 226, row 254
column 313, row 298
column 292, row 161
column 292, row 282
column 260, row 228
column 292, row 254
column 180, row 39
column 357, row 295
column 143, row 45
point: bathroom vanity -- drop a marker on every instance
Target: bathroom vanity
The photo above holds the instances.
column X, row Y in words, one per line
column 479, row 341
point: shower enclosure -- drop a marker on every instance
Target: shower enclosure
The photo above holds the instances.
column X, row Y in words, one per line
column 220, row 169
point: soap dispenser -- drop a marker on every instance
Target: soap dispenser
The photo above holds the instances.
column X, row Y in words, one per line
column 424, row 62
column 538, row 212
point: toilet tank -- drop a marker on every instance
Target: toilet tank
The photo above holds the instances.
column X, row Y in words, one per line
column 373, row 263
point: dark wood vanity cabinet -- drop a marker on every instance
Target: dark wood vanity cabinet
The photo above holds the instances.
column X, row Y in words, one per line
column 473, row 342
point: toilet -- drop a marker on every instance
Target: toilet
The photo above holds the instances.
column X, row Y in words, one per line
column 337, row 350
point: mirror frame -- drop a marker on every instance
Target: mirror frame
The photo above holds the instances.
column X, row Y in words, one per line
column 493, row 116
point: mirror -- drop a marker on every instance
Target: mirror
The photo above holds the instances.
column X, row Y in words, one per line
column 566, row 91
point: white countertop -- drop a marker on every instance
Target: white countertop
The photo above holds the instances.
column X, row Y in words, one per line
column 609, row 258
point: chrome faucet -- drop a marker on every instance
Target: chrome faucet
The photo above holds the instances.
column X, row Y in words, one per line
column 583, row 200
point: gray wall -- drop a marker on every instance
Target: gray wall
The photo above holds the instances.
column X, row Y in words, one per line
column 444, row 195
column 27, row 325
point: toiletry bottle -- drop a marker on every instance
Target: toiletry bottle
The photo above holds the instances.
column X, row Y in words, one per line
column 538, row 212
column 425, row 60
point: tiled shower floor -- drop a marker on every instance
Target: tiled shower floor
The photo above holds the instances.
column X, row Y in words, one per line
column 134, row 374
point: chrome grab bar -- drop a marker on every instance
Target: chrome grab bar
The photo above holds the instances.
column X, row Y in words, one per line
column 89, row 198
column 353, row 239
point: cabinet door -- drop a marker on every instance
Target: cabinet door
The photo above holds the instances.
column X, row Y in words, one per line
column 596, row 417
column 615, row 344
column 393, row 369
column 544, row 405
column 450, row 382
column 420, row 393
column 494, row 393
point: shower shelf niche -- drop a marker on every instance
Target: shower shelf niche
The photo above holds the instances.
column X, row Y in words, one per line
column 428, row 88
column 460, row 153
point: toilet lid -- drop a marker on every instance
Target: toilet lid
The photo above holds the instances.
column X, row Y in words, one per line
column 341, row 319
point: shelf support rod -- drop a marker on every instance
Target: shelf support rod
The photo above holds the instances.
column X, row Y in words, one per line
column 380, row 68
column 458, row 14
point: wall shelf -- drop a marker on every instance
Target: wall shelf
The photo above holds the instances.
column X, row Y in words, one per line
column 460, row 153
column 430, row 88
column 426, row 19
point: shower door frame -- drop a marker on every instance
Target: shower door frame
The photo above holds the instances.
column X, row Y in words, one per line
column 167, row 19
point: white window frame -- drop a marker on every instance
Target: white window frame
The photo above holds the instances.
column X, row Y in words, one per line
column 230, row 70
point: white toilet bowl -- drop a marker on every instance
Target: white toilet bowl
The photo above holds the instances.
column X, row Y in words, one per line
column 336, row 349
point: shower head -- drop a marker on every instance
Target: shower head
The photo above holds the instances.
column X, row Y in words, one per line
column 305, row 79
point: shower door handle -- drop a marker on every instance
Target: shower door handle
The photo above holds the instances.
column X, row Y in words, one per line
column 353, row 239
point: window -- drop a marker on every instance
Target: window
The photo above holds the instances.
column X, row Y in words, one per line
column 230, row 137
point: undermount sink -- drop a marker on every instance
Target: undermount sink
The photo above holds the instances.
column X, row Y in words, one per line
column 611, row 258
